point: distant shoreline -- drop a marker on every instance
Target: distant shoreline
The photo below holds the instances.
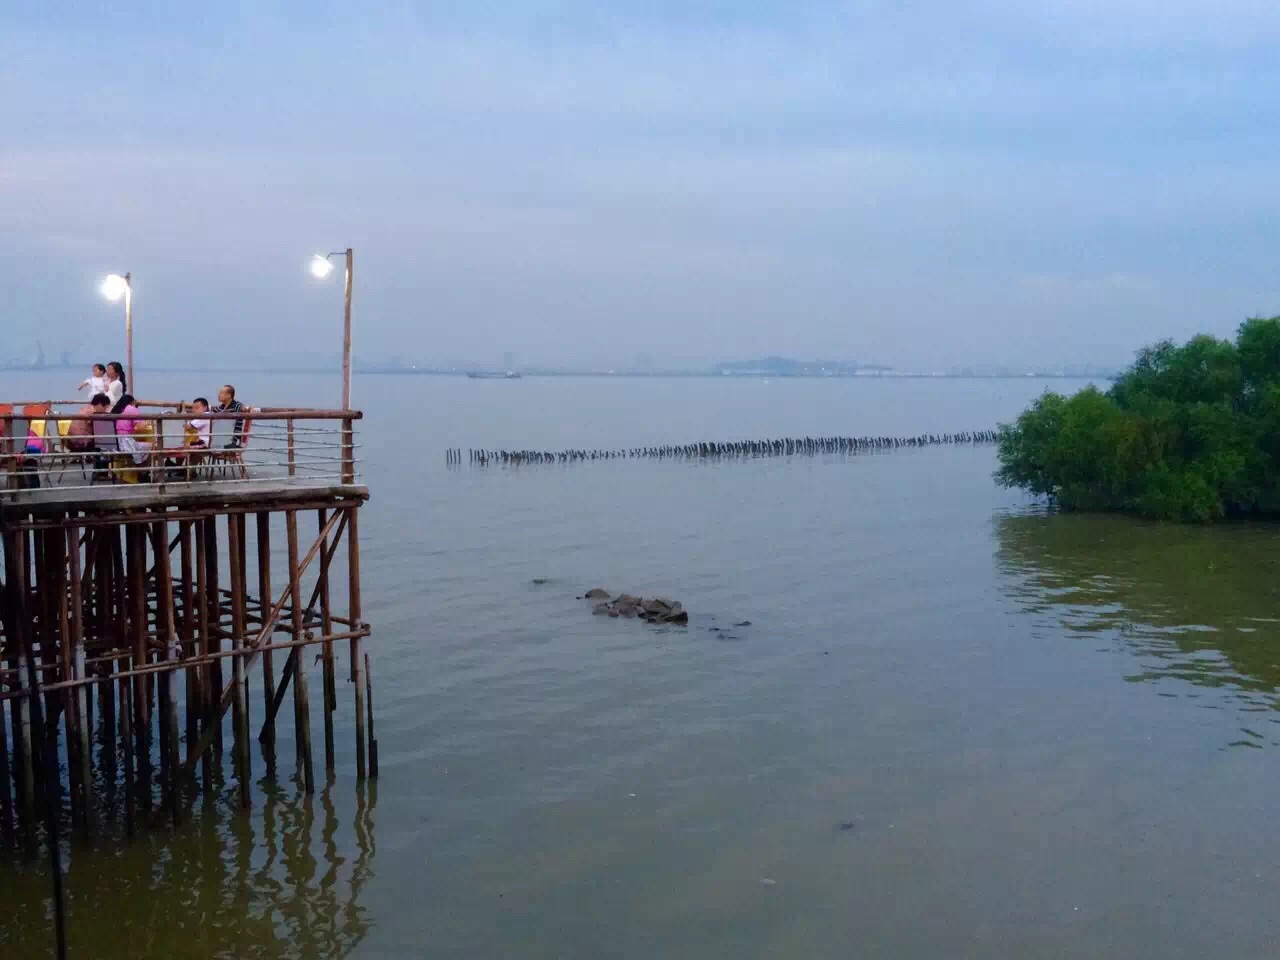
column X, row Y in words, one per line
column 606, row 374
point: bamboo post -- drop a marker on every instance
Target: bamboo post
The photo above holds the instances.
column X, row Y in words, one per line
column 15, row 592
column 239, row 721
column 293, row 469
column 205, row 686
column 187, row 628
column 373, row 741
column 268, row 736
column 16, row 579
column 346, row 331
column 301, row 706
column 102, row 592
column 141, row 719
column 6, row 789
column 326, row 628
column 55, row 652
column 81, row 693
column 126, row 736
column 213, row 639
column 166, row 628
column 353, row 574
column 348, row 451
column 50, row 783
column 241, row 523
column 159, row 472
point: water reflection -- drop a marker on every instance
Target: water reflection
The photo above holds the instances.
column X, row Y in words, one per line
column 284, row 882
column 1199, row 605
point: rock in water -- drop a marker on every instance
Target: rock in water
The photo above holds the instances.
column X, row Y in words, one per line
column 629, row 607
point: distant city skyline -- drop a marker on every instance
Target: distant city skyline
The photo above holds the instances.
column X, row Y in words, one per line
column 771, row 365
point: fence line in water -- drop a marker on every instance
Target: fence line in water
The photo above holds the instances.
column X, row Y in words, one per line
column 714, row 450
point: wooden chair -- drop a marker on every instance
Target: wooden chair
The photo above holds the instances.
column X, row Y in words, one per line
column 232, row 458
column 37, row 417
column 104, row 440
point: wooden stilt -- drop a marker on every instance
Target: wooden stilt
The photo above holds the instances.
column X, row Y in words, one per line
column 214, row 637
column 301, row 705
column 187, row 629
column 373, row 741
column 6, row 783
column 243, row 587
column 81, row 694
column 126, row 736
column 16, row 581
column 204, row 688
column 353, row 573
column 326, row 628
column 135, row 548
column 239, row 719
column 166, row 630
column 268, row 735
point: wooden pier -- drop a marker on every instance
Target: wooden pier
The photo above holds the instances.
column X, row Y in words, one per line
column 148, row 628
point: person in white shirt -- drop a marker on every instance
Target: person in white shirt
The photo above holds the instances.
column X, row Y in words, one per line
column 199, row 430
column 96, row 382
column 116, row 382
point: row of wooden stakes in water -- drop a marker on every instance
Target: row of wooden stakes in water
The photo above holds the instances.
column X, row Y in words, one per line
column 734, row 449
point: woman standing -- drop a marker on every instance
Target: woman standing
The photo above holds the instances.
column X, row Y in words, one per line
column 117, row 384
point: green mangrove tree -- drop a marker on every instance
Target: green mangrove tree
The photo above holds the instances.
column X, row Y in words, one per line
column 1188, row 432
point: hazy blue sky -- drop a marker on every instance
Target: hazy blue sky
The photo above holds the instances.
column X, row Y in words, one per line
column 961, row 181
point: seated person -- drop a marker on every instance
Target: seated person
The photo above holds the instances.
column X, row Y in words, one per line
column 227, row 403
column 80, row 432
column 198, row 431
column 133, row 435
column 32, row 450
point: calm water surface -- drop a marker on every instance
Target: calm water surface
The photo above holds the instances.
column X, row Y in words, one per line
column 1054, row 736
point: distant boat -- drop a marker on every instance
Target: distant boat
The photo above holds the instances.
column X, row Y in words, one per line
column 509, row 375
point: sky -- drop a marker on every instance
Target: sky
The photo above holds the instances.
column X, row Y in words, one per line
column 585, row 184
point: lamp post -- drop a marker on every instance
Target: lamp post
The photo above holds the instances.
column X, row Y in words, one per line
column 114, row 287
column 321, row 267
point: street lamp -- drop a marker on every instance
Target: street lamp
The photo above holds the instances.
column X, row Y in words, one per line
column 321, row 267
column 113, row 288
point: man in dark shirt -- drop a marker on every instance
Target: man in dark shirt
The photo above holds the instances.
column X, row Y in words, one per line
column 227, row 403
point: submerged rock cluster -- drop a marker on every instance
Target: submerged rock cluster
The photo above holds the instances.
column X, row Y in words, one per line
column 654, row 610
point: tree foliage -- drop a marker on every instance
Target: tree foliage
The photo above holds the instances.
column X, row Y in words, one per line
column 1188, row 432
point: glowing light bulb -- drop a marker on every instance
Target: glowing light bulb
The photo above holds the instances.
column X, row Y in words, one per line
column 114, row 287
column 320, row 267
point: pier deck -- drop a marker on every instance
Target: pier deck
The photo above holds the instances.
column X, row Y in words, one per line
column 144, row 592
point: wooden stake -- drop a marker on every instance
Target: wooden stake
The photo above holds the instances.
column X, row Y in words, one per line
column 326, row 628
column 373, row 741
column 81, row 694
column 141, row 720
column 126, row 735
column 268, row 735
column 187, row 629
column 239, row 720
column 301, row 706
column 6, row 791
column 204, row 687
column 166, row 629
column 353, row 573
column 213, row 639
